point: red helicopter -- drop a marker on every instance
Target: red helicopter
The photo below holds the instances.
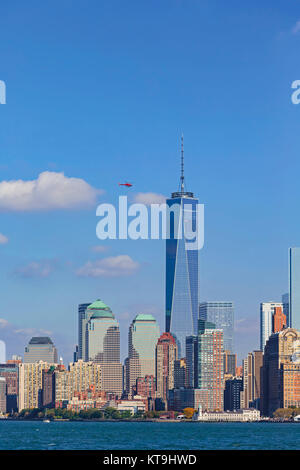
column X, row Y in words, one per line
column 128, row 185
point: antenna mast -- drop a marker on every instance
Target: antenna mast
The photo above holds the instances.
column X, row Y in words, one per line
column 182, row 166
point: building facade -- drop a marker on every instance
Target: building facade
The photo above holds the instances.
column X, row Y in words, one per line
column 222, row 315
column 81, row 332
column 40, row 348
column 181, row 266
column 142, row 339
column 210, row 363
column 294, row 288
column 165, row 356
column 232, row 393
column 281, row 371
column 267, row 310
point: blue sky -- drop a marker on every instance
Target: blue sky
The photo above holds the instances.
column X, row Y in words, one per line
column 102, row 91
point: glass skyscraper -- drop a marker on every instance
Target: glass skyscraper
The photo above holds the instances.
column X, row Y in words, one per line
column 294, row 288
column 181, row 268
column 222, row 315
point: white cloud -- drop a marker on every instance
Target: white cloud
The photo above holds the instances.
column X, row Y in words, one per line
column 49, row 191
column 149, row 198
column 114, row 266
column 3, row 239
column 41, row 269
column 296, row 28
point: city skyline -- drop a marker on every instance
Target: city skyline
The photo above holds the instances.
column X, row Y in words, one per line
column 103, row 108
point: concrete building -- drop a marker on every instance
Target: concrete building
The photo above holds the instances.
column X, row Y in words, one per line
column 181, row 398
column 40, row 348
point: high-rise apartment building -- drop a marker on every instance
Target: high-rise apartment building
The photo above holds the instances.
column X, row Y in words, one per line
column 210, row 363
column 294, row 288
column 142, row 339
column 40, row 348
column 267, row 310
column 222, row 315
column 182, row 266
column 166, row 355
column 31, row 384
column 281, row 371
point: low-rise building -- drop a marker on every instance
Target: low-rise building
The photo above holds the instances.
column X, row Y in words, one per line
column 245, row 415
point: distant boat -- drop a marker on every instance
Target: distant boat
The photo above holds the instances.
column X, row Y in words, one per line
column 46, row 421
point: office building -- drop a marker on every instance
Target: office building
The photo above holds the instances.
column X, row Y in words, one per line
column 222, row 315
column 267, row 310
column 192, row 361
column 232, row 391
column 81, row 331
column 166, row 355
column 285, row 307
column 229, row 363
column 210, row 363
column 103, row 334
column 294, row 288
column 281, row 371
column 182, row 266
column 142, row 339
column 40, row 348
column 252, row 369
column 180, row 373
column 181, row 398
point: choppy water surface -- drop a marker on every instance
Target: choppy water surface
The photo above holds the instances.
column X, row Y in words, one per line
column 131, row 435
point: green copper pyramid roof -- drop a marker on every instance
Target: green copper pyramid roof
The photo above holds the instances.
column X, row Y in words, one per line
column 100, row 310
column 98, row 305
column 144, row 317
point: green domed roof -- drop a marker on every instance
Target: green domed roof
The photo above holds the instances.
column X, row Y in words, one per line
column 100, row 310
column 145, row 317
column 98, row 305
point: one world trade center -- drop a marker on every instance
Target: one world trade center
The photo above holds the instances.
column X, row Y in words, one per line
column 182, row 267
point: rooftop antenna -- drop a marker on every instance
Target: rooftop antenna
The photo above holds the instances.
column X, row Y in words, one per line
column 182, row 166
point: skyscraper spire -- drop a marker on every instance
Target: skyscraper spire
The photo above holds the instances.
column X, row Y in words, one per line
column 182, row 166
